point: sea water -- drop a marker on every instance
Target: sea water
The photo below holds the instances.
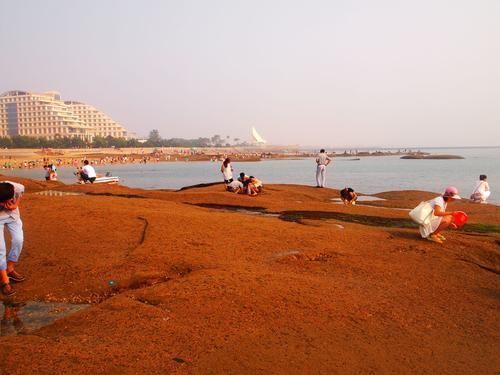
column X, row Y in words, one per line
column 368, row 175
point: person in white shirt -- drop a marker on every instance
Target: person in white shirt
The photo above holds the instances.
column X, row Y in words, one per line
column 440, row 219
column 235, row 186
column 322, row 161
column 88, row 172
column 481, row 191
column 227, row 171
column 10, row 196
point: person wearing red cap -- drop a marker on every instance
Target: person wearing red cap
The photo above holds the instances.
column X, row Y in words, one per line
column 441, row 219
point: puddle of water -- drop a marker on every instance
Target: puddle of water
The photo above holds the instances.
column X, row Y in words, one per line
column 389, row 208
column 299, row 216
column 20, row 318
column 55, row 193
column 258, row 213
column 361, row 198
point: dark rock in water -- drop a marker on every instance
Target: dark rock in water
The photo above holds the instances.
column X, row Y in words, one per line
column 432, row 157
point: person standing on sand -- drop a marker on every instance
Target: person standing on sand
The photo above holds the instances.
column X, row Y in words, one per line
column 322, row 160
column 227, row 171
column 10, row 195
column 440, row 219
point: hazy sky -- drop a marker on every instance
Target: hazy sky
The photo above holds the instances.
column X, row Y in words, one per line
column 333, row 73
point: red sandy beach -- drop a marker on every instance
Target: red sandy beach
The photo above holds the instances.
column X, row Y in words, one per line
column 201, row 281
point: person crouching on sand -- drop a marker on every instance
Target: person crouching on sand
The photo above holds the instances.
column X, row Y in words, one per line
column 87, row 174
column 481, row 191
column 10, row 195
column 348, row 196
column 235, row 186
column 254, row 186
column 251, row 185
column 440, row 218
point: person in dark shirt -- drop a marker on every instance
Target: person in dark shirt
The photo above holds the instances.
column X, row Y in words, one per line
column 348, row 196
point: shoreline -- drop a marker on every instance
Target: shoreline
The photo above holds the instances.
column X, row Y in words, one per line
column 37, row 158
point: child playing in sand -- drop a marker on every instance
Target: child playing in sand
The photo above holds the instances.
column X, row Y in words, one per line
column 10, row 195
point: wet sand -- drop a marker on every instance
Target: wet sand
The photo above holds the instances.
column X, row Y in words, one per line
column 204, row 281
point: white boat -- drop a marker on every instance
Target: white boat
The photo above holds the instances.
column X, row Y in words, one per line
column 107, row 180
column 101, row 180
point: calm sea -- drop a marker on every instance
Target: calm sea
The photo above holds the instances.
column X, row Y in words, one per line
column 368, row 175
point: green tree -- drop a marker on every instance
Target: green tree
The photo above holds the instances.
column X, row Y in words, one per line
column 216, row 140
column 99, row 142
column 154, row 137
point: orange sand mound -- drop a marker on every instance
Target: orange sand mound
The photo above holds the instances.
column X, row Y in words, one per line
column 213, row 290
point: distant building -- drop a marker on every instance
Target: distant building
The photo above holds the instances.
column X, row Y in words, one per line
column 92, row 118
column 46, row 115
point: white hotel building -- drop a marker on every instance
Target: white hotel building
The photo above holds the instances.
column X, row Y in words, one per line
column 46, row 115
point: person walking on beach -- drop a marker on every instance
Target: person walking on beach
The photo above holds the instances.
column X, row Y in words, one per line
column 10, row 195
column 322, row 161
column 227, row 171
column 440, row 218
column 481, row 190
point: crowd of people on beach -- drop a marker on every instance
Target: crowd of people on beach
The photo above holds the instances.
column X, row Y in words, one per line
column 432, row 216
column 136, row 157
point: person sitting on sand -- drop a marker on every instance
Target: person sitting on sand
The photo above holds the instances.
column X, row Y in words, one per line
column 10, row 196
column 348, row 196
column 87, row 173
column 244, row 179
column 440, row 218
column 50, row 172
column 481, row 191
column 227, row 170
column 235, row 186
column 254, row 186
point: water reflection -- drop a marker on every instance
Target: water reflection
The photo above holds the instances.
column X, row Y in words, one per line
column 361, row 198
column 20, row 317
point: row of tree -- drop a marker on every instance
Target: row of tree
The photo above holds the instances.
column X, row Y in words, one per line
column 20, row 141
column 154, row 140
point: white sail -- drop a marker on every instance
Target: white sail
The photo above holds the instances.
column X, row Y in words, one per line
column 257, row 138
